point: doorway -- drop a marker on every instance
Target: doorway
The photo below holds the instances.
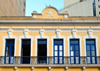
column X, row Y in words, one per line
column 74, row 51
column 26, row 47
column 42, row 51
column 58, row 51
column 9, row 51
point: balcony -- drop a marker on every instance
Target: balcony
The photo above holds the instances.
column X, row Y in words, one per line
column 50, row 60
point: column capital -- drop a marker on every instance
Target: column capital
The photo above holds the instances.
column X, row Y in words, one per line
column 32, row 68
column 90, row 33
column 74, row 33
column 10, row 33
column 58, row 33
column 66, row 68
column 49, row 68
column 42, row 33
column 83, row 68
column 26, row 33
column 15, row 68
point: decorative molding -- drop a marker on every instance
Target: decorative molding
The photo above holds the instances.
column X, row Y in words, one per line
column 42, row 33
column 83, row 68
column 49, row 68
column 36, row 41
column 34, row 31
column 4, row 43
column 74, row 33
column 50, row 30
column 92, row 37
column 18, row 28
column 34, row 16
column 54, row 30
column 3, row 30
column 66, row 68
column 81, row 27
column 66, row 31
column 65, row 16
column 50, row 13
column 26, row 33
column 32, row 68
column 4, row 27
column 50, row 65
column 60, row 37
column 15, row 68
column 96, row 31
column 82, row 31
column 20, row 40
column 66, row 27
column 50, row 27
column 34, row 27
column 95, row 27
column 90, row 33
column 10, row 33
column 77, row 37
column 58, row 33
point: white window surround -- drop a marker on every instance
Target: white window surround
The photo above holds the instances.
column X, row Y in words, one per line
column 66, row 27
column 93, row 37
column 36, row 41
column 60, row 37
column 77, row 37
column 18, row 28
column 4, row 43
column 81, row 27
column 95, row 27
column 20, row 41
column 34, row 28
column 5, row 28
column 50, row 27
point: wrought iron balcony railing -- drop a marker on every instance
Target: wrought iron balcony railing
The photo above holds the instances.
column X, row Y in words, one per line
column 50, row 60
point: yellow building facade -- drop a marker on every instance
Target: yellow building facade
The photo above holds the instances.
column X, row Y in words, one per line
column 49, row 41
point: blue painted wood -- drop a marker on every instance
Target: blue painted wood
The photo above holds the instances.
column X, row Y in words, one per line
column 10, row 45
column 90, row 49
column 58, row 43
column 75, row 42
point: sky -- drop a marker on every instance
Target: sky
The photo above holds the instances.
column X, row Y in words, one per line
column 39, row 5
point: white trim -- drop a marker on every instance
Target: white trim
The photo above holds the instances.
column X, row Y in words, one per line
column 4, row 27
column 96, row 31
column 95, row 27
column 18, row 27
column 77, row 37
column 3, row 30
column 34, row 27
column 39, row 37
column 34, row 16
column 66, row 30
column 20, row 40
column 93, row 37
column 4, row 43
column 34, row 31
column 66, row 27
column 17, row 30
column 50, row 30
column 60, row 37
column 50, row 27
column 82, row 31
column 81, row 27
